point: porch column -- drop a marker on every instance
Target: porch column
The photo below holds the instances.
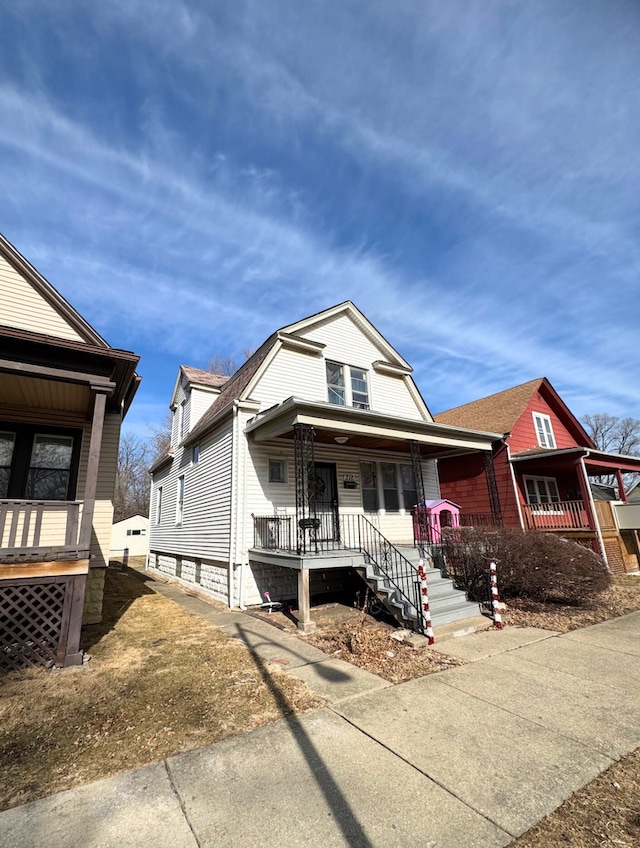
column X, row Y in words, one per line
column 622, row 494
column 91, row 481
column 492, row 487
column 590, row 507
column 305, row 624
column 303, row 435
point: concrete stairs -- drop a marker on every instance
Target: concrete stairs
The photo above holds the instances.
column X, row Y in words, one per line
column 446, row 603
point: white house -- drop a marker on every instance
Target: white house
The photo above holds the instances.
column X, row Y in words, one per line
column 302, row 465
column 130, row 534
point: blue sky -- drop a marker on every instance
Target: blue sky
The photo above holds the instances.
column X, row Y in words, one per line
column 193, row 175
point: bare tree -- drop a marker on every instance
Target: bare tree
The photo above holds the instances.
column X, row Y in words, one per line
column 614, row 435
column 226, row 365
column 133, row 483
column 160, row 440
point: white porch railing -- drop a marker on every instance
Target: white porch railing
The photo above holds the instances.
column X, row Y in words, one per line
column 31, row 530
column 562, row 515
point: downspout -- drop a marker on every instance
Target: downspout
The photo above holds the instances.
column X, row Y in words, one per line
column 592, row 505
column 513, row 478
column 233, row 497
column 244, row 519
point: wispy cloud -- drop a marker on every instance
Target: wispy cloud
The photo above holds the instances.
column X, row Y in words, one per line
column 469, row 180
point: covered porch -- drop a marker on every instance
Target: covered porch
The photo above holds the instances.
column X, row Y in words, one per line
column 54, row 398
column 336, row 519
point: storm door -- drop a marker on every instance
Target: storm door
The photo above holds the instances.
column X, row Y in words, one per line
column 323, row 501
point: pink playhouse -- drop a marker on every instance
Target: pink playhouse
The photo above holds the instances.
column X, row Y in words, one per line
column 432, row 517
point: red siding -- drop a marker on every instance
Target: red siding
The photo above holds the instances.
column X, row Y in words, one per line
column 524, row 435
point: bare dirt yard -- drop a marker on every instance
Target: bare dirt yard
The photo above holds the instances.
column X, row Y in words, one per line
column 160, row 681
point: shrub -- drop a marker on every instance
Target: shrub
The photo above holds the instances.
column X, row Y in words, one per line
column 538, row 566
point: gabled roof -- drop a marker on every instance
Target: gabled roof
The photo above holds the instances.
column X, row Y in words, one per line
column 239, row 386
column 499, row 412
column 53, row 297
column 197, row 377
column 502, row 410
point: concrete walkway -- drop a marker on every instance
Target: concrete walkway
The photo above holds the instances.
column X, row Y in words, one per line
column 472, row 756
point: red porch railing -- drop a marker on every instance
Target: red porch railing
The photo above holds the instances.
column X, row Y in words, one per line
column 562, row 515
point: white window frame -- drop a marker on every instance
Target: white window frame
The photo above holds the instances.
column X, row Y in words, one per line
column 347, row 389
column 181, row 420
column 195, row 454
column 283, row 465
column 159, row 505
column 180, row 500
column 544, row 506
column 379, row 488
column 544, row 430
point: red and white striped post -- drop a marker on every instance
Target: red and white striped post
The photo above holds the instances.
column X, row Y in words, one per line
column 424, row 593
column 495, row 601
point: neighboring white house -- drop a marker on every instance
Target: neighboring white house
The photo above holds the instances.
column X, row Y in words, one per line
column 131, row 534
column 277, row 472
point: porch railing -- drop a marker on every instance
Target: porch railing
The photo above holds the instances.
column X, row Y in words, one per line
column 562, row 515
column 31, row 530
column 348, row 532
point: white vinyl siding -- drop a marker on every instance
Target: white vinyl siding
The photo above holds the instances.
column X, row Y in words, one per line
column 22, row 307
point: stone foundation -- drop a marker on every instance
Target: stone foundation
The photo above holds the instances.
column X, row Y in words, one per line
column 93, row 597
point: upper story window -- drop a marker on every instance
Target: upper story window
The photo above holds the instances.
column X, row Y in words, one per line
column 195, row 454
column 347, row 386
column 159, row 505
column 544, row 430
column 181, row 420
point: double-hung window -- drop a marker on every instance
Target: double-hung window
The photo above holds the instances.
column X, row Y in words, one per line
column 386, row 485
column 347, row 385
column 544, row 430
column 541, row 490
column 159, row 505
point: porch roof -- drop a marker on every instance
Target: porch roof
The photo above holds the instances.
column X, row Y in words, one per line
column 597, row 462
column 366, row 428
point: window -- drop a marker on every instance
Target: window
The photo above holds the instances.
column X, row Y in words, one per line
column 159, row 505
column 277, row 471
column 136, row 532
column 369, row 485
column 335, row 383
column 359, row 389
column 541, row 490
column 39, row 465
column 195, row 454
column 180, row 500
column 388, row 486
column 544, row 430
column 7, row 441
column 181, row 418
column 353, row 391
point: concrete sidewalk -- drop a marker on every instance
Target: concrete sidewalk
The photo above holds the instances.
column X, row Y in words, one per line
column 472, row 756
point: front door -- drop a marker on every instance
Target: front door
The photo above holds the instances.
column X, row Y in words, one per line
column 325, row 501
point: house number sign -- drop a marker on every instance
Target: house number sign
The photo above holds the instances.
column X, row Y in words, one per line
column 349, row 481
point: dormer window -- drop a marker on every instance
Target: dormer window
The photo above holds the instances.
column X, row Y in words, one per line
column 347, row 386
column 544, row 430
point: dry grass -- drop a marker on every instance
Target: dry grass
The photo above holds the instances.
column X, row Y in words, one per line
column 160, row 681
column 603, row 814
column 371, row 646
column 621, row 598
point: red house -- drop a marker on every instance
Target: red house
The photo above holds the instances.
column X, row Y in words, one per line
column 541, row 474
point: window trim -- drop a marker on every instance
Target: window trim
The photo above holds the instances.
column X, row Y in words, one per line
column 180, row 500
column 379, row 488
column 195, row 454
column 24, row 439
column 347, row 385
column 285, row 472
column 544, row 505
column 159, row 505
column 543, row 427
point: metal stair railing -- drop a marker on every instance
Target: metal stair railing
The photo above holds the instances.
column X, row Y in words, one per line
column 398, row 573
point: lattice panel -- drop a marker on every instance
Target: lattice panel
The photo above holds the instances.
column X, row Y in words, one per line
column 30, row 624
